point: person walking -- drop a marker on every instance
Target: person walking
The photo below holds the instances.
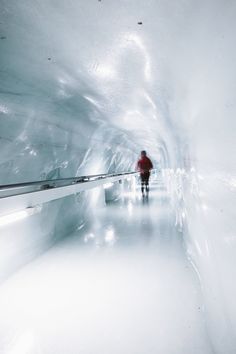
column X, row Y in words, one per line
column 144, row 166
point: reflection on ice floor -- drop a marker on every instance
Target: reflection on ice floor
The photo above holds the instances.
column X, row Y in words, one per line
column 123, row 286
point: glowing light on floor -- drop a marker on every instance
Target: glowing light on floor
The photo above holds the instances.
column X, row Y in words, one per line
column 19, row 215
column 205, row 207
column 89, row 237
column 110, row 236
column 130, row 208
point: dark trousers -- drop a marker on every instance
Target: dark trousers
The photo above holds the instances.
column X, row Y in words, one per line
column 145, row 181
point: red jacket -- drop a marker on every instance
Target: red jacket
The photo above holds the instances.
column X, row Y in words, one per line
column 144, row 165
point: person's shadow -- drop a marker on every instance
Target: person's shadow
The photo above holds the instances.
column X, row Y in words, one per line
column 145, row 199
column 146, row 224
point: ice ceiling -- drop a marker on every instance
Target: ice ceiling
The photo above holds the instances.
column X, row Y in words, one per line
column 86, row 84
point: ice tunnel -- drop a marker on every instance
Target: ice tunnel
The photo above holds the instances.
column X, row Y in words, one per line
column 87, row 266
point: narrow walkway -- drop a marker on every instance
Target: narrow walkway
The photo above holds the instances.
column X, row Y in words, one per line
column 124, row 286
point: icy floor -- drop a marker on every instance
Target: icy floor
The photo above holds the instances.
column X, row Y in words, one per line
column 123, row 286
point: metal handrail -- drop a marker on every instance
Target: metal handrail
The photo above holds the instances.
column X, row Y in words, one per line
column 10, row 190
